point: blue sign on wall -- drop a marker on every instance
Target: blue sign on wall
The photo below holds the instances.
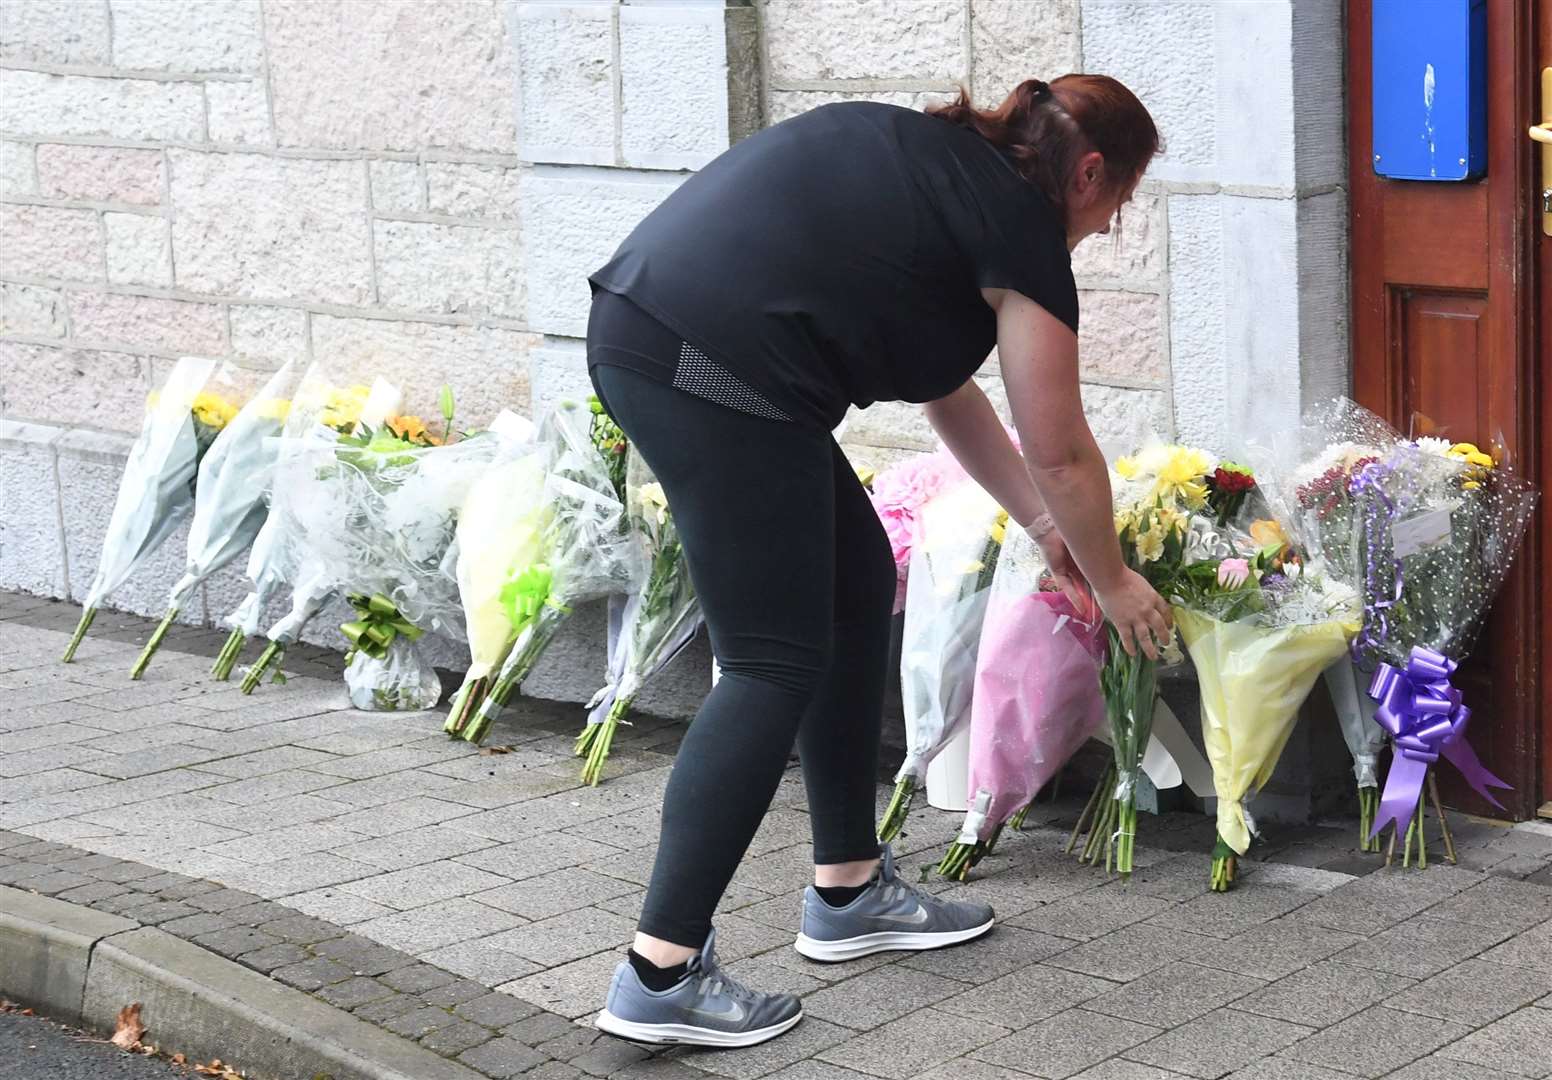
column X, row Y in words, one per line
column 1430, row 89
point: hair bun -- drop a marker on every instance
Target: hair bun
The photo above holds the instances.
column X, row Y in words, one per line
column 1039, row 88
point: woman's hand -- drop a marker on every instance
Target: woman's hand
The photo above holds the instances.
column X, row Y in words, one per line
column 1139, row 613
column 1064, row 569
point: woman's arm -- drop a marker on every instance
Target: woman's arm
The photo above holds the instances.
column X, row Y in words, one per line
column 969, row 426
column 1039, row 357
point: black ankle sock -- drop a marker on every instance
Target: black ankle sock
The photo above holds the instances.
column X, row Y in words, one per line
column 840, row 895
column 654, row 977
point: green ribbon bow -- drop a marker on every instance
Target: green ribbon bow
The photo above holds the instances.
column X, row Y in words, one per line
column 379, row 624
column 523, row 596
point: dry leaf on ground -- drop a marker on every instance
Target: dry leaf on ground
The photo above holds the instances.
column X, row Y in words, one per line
column 128, row 1029
column 492, row 751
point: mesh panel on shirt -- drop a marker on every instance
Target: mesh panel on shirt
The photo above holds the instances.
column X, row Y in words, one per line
column 696, row 373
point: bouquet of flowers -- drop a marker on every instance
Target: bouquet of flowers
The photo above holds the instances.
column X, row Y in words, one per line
column 657, row 623
column 323, row 411
column 1306, row 476
column 1441, row 524
column 573, row 543
column 229, row 501
column 959, row 536
column 156, row 492
column 317, row 403
column 899, row 493
column 1036, row 698
column 499, row 526
column 378, row 509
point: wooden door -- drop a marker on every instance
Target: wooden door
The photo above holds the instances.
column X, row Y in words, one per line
column 1542, row 238
column 1445, row 324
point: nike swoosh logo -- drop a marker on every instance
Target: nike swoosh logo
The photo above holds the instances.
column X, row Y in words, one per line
column 734, row 1013
column 918, row 917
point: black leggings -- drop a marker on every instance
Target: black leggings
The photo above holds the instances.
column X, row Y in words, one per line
column 795, row 578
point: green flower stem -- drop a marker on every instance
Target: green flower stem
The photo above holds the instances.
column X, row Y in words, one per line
column 1107, row 778
column 1422, row 837
column 1225, row 866
column 584, row 743
column 87, row 615
column 899, row 807
column 958, row 860
column 272, row 654
column 465, row 703
column 153, row 644
column 1016, row 822
column 226, row 659
column 514, row 669
column 598, row 753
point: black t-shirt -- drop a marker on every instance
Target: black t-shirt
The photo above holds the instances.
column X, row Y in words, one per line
column 838, row 257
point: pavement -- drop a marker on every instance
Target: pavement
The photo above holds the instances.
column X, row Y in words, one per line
column 475, row 904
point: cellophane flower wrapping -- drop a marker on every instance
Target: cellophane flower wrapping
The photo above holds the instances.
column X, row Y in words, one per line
column 233, row 482
column 265, row 573
column 1037, row 697
column 1440, row 527
column 959, row 535
column 577, row 543
column 323, row 409
column 156, row 491
column 898, row 494
column 403, row 680
column 657, row 622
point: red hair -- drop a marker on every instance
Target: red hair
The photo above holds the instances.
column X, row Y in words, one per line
column 1047, row 129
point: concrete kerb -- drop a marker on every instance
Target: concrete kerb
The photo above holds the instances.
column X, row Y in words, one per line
column 82, row 966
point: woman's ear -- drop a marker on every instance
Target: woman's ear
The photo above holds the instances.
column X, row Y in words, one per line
column 1088, row 179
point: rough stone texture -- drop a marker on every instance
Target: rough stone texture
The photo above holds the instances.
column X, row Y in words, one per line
column 473, row 191
column 212, row 35
column 46, row 241
column 148, row 323
column 138, row 250
column 16, row 170
column 448, row 269
column 239, row 113
column 397, row 187
column 1014, row 40
column 418, row 75
column 558, row 371
column 54, row 32
column 786, row 104
column 1165, row 53
column 100, row 174
column 487, row 366
column 271, row 228
column 65, row 385
column 1196, row 253
column 1119, row 415
column 30, row 310
column 50, row 105
column 905, row 39
column 31, row 541
column 1133, row 253
column 572, row 222
column 674, row 85
column 565, row 83
column 1121, row 336
column 269, row 334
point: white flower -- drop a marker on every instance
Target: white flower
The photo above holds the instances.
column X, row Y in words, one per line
column 1428, row 444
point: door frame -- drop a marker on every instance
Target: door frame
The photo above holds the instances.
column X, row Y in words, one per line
column 1512, row 287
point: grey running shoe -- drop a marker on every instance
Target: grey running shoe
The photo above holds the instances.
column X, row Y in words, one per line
column 707, row 1008
column 889, row 916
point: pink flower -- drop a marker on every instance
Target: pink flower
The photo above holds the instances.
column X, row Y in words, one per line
column 899, row 493
column 1233, row 573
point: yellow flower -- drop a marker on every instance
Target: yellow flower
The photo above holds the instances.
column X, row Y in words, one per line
column 865, row 475
column 410, row 429
column 1268, row 532
column 1126, row 468
column 1150, row 545
column 277, row 409
column 1125, row 520
column 212, row 410
column 342, row 407
column 654, row 501
column 1167, row 520
column 999, row 529
column 971, row 566
column 1182, row 476
column 1469, row 453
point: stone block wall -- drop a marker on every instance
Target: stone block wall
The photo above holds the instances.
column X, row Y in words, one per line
column 419, row 189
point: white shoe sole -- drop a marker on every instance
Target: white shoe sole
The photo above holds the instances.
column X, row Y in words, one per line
column 687, row 1034
column 831, row 952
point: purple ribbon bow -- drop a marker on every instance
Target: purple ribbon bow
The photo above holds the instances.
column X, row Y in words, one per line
column 1425, row 717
